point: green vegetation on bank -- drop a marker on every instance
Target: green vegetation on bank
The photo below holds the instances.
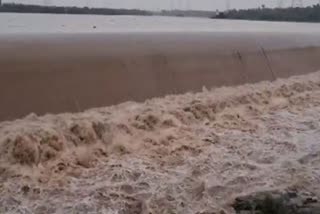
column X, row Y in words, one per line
column 21, row 8
column 186, row 13
column 306, row 14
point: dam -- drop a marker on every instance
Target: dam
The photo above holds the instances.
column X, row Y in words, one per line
column 225, row 117
column 45, row 72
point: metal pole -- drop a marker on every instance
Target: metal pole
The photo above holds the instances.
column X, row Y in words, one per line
column 228, row 5
column 280, row 3
column 297, row 3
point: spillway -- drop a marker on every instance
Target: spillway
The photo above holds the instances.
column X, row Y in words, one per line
column 53, row 73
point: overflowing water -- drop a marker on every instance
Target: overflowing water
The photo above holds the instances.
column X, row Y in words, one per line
column 191, row 153
column 184, row 154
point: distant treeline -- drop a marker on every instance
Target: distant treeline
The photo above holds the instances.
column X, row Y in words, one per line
column 186, row 13
column 22, row 8
column 307, row 14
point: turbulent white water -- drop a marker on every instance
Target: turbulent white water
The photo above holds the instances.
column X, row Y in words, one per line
column 184, row 154
column 51, row 23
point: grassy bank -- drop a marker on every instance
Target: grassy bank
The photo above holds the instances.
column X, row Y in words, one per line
column 21, row 8
column 307, row 14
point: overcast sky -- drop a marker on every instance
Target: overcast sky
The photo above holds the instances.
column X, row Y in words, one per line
column 165, row 4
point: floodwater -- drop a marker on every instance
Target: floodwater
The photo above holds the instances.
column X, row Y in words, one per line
column 57, row 23
column 49, row 56
column 184, row 154
column 187, row 153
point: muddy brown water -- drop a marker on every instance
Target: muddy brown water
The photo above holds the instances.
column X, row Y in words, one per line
column 52, row 73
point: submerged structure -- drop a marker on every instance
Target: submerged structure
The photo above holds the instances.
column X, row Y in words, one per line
column 70, row 73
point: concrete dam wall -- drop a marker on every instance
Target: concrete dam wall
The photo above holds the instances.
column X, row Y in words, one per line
column 68, row 73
